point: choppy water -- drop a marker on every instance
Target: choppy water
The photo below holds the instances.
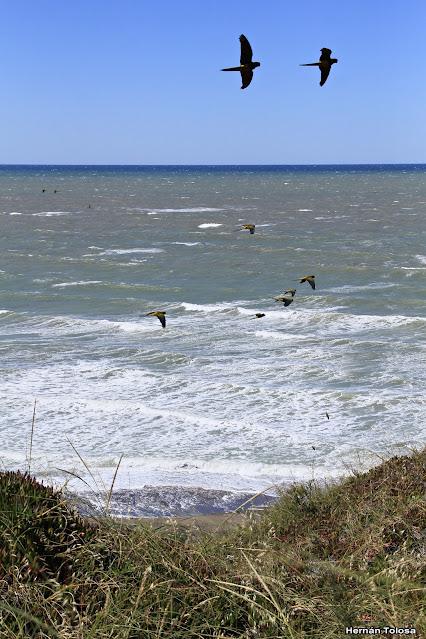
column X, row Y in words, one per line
column 216, row 400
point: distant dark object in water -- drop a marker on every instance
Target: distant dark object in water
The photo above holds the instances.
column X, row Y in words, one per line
column 287, row 297
column 249, row 227
column 246, row 65
column 55, row 191
column 308, row 278
column 161, row 316
column 327, row 415
column 43, row 190
column 325, row 63
column 258, row 315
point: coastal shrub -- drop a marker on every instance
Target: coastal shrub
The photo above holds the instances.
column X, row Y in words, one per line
column 40, row 534
column 45, row 549
column 321, row 559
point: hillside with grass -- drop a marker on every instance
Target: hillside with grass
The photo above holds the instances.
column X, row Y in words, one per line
column 321, row 559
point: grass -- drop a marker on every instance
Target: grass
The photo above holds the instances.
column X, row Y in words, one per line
column 320, row 559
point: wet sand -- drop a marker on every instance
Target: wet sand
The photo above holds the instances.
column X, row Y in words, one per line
column 205, row 523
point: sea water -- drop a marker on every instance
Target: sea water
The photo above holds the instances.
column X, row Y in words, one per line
column 218, row 399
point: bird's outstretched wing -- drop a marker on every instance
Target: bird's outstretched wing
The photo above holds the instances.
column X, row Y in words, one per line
column 246, row 51
column 310, row 279
column 246, row 77
column 161, row 315
column 325, row 72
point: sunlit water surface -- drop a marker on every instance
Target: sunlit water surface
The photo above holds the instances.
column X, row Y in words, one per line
column 218, row 399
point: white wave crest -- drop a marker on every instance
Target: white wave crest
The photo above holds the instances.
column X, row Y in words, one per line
column 134, row 250
column 412, row 268
column 51, row 213
column 196, row 209
column 82, row 283
column 204, row 308
column 280, row 335
column 208, row 225
column 187, row 243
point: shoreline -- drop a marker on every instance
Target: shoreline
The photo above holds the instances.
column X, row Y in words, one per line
column 152, row 503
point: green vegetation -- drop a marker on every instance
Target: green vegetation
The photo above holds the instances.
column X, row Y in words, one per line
column 321, row 559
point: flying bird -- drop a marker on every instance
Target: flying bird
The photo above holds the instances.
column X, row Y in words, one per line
column 249, row 227
column 287, row 297
column 258, row 315
column 325, row 63
column 246, row 64
column 161, row 316
column 308, row 278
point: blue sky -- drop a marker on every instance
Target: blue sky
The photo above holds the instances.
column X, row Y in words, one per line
column 137, row 82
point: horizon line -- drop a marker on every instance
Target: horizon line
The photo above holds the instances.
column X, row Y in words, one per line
column 238, row 164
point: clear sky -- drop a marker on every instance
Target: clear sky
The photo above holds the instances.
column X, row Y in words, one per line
column 138, row 82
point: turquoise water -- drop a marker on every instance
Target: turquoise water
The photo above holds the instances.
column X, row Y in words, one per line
column 217, row 399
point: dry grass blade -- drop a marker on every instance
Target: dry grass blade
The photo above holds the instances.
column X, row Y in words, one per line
column 187, row 574
column 112, row 484
column 223, row 586
column 404, row 592
column 85, row 465
column 69, row 472
column 32, row 435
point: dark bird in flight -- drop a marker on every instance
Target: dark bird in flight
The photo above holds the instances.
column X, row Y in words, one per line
column 246, row 64
column 258, row 315
column 325, row 63
column 161, row 316
column 287, row 297
column 249, row 227
column 310, row 279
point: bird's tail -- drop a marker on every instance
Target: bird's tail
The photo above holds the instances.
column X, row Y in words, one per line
column 232, row 69
column 310, row 64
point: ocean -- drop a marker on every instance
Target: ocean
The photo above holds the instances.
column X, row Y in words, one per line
column 217, row 401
